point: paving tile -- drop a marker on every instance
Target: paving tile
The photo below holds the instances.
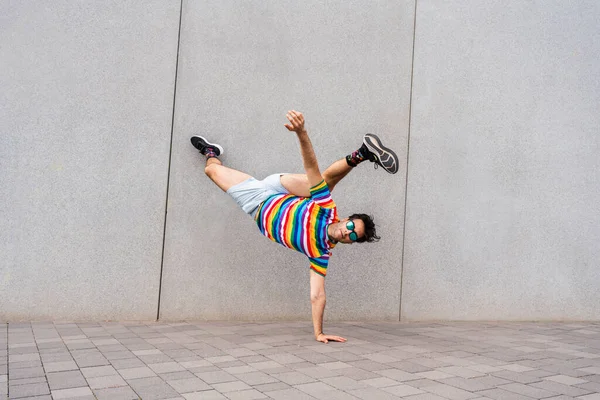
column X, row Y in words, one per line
column 398, row 375
column 371, row 394
column 369, row 365
column 136, row 373
column 127, row 363
column 500, row 394
column 66, row 380
column 293, row 378
column 335, row 365
column 335, row 395
column 119, row 393
column 29, row 390
column 565, row 380
column 175, row 376
column 89, row 359
column 559, row 388
column 591, row 386
column 515, row 367
column 290, row 394
column 162, row 368
column 539, row 373
column 344, row 383
column 256, row 378
column 407, row 366
column 94, row 372
column 527, row 390
column 28, row 364
column 206, row 395
column 25, row 381
column 593, row 396
column 216, row 377
column 320, row 372
column 72, row 393
column 118, row 355
column 449, row 392
column 429, row 396
column 357, row 373
column 22, row 373
column 591, row 370
column 102, row 382
column 318, row 358
column 434, row 375
column 269, row 387
column 24, row 357
column 516, row 376
column 250, row 394
column 239, row 370
column 195, row 364
column 231, row 386
column 152, row 388
column 402, row 390
column 380, row 382
column 188, row 385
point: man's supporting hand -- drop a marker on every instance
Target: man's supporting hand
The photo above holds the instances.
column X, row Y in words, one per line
column 318, row 300
column 296, row 121
column 326, row 338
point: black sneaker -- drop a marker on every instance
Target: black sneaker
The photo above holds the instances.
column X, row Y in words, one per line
column 202, row 144
column 380, row 154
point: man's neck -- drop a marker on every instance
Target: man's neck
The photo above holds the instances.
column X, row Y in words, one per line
column 332, row 240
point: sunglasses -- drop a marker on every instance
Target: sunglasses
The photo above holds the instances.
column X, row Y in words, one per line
column 353, row 235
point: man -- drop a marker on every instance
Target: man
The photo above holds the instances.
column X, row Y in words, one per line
column 297, row 211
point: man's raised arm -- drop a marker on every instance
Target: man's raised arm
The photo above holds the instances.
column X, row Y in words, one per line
column 311, row 166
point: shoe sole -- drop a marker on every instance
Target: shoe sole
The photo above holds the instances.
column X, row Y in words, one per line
column 387, row 158
column 206, row 143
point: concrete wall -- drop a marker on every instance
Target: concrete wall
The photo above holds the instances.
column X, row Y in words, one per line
column 503, row 210
column 496, row 118
column 86, row 94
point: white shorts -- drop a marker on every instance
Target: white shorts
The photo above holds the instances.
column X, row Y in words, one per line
column 251, row 193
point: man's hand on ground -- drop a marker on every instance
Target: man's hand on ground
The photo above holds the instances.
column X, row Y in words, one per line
column 296, row 121
column 326, row 338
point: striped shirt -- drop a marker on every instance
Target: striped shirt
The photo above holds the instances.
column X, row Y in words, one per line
column 300, row 223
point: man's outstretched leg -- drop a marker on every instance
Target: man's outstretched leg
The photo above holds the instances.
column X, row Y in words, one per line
column 372, row 150
column 222, row 176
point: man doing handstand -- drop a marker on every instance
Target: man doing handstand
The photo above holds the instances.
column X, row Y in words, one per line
column 296, row 210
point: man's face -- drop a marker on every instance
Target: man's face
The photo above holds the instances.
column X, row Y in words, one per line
column 341, row 233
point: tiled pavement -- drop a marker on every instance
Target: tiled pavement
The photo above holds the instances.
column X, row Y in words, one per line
column 235, row 360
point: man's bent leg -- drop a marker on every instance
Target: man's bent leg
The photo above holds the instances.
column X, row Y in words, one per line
column 223, row 176
column 297, row 184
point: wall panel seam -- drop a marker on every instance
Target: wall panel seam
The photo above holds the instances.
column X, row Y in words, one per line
column 162, row 258
column 412, row 69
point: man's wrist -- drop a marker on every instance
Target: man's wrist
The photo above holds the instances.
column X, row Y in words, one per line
column 301, row 132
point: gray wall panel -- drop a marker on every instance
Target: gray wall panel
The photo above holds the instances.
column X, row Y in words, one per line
column 242, row 66
column 503, row 215
column 86, row 94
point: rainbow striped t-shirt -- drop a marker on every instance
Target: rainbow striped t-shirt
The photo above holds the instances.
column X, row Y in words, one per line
column 300, row 223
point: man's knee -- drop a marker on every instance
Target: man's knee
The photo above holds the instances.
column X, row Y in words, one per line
column 211, row 170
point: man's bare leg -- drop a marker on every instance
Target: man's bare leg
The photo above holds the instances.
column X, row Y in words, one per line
column 297, row 184
column 223, row 176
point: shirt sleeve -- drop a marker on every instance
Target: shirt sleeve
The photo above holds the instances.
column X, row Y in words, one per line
column 319, row 265
column 321, row 196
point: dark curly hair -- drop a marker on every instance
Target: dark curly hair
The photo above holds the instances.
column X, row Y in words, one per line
column 370, row 233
